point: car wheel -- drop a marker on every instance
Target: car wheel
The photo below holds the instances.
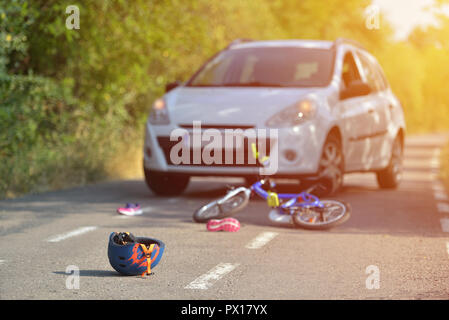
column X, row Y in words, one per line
column 166, row 184
column 331, row 165
column 391, row 176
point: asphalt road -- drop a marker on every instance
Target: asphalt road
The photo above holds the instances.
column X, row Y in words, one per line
column 399, row 236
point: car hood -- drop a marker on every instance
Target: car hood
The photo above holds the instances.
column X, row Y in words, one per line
column 250, row 106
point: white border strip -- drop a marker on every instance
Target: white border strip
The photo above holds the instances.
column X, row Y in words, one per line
column 70, row 234
column 206, row 280
column 261, row 240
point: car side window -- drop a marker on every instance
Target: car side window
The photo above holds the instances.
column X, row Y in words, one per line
column 350, row 71
column 371, row 74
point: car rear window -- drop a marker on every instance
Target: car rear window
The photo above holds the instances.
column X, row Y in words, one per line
column 267, row 67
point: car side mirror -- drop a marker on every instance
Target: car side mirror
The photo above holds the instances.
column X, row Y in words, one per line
column 171, row 85
column 356, row 88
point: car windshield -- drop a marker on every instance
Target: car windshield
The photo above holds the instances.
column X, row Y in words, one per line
column 267, row 67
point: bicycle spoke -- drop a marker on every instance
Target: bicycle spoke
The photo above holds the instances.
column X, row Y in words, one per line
column 317, row 215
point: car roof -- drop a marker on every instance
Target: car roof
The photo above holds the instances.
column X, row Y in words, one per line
column 317, row 44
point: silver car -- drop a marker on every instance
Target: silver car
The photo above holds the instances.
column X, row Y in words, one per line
column 322, row 107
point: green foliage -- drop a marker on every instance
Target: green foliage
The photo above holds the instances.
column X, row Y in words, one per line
column 96, row 84
column 42, row 142
column 72, row 99
column 15, row 18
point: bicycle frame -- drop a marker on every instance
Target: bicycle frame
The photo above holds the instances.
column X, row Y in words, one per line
column 281, row 200
column 302, row 199
column 286, row 207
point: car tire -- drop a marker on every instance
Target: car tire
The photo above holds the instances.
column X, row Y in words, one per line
column 166, row 184
column 390, row 177
column 332, row 164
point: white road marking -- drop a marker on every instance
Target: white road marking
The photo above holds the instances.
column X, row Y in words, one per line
column 261, row 240
column 445, row 224
column 122, row 216
column 70, row 234
column 206, row 280
column 443, row 207
column 435, row 163
column 436, row 153
column 438, row 186
column 2, row 262
column 439, row 195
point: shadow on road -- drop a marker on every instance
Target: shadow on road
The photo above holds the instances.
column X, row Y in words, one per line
column 92, row 273
column 410, row 210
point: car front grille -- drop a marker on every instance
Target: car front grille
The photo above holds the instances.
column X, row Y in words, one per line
column 244, row 153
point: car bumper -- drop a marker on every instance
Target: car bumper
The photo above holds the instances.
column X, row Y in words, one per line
column 294, row 152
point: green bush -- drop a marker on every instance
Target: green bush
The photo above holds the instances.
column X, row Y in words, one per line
column 96, row 84
column 42, row 145
column 72, row 100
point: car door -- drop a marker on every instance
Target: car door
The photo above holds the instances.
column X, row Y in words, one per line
column 383, row 141
column 379, row 113
column 355, row 117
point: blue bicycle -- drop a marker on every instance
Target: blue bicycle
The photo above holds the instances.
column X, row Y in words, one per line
column 302, row 209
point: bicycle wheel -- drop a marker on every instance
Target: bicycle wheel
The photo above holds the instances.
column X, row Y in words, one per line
column 222, row 208
column 330, row 215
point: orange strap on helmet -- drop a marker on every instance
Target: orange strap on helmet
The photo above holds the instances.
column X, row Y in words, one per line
column 147, row 252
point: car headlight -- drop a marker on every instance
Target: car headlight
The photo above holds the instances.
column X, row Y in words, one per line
column 293, row 115
column 159, row 112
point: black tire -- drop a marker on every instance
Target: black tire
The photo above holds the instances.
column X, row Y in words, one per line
column 341, row 218
column 166, row 184
column 213, row 210
column 391, row 176
column 207, row 212
column 331, row 164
